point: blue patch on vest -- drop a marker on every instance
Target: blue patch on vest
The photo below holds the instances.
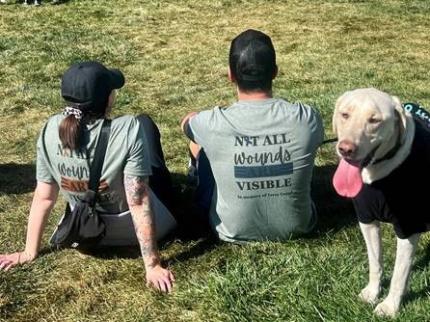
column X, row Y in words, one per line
column 263, row 171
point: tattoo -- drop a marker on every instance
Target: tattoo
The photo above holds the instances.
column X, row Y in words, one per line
column 154, row 261
column 136, row 189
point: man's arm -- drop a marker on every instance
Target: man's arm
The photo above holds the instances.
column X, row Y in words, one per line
column 140, row 207
column 185, row 125
column 185, row 121
column 44, row 199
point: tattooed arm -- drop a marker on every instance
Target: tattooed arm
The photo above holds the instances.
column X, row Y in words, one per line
column 136, row 189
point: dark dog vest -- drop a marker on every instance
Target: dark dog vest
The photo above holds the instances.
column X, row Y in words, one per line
column 402, row 197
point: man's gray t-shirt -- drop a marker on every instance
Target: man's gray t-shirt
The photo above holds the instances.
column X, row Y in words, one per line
column 126, row 154
column 262, row 155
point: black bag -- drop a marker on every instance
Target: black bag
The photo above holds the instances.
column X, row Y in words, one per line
column 83, row 227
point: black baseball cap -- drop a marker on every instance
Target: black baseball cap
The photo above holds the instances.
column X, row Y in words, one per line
column 87, row 85
column 252, row 56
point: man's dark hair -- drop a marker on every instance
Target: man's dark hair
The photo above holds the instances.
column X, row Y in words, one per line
column 252, row 61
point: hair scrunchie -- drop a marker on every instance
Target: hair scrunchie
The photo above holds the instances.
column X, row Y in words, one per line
column 77, row 113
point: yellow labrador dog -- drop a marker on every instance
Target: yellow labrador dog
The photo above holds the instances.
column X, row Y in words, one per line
column 384, row 154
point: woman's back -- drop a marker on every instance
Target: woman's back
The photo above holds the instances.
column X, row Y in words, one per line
column 126, row 153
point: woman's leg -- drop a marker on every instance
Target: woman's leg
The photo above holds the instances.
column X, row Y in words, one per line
column 120, row 230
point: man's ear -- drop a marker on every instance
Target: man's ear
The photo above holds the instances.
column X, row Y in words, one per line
column 231, row 77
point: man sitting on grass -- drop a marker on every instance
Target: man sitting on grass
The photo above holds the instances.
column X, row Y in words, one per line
column 255, row 157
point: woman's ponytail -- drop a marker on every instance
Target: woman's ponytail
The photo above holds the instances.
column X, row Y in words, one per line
column 70, row 132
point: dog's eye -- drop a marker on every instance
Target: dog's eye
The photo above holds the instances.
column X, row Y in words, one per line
column 374, row 120
column 344, row 115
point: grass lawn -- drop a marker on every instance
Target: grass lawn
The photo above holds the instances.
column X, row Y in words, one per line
column 174, row 56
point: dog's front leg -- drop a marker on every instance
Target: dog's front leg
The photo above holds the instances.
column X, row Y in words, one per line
column 402, row 267
column 372, row 237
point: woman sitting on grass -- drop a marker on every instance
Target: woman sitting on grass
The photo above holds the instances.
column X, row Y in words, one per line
column 133, row 178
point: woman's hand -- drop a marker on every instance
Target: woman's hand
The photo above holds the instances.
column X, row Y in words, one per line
column 139, row 203
column 160, row 278
column 7, row 261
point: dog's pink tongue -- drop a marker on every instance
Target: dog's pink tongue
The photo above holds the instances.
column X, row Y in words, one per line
column 347, row 179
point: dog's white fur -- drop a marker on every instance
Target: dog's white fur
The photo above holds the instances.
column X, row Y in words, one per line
column 374, row 122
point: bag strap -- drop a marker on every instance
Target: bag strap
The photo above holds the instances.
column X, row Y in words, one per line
column 99, row 156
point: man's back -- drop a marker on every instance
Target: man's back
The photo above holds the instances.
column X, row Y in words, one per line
column 261, row 153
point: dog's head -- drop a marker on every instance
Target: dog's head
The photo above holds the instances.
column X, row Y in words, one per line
column 368, row 124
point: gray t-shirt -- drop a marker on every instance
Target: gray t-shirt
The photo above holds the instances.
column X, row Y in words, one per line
column 126, row 154
column 262, row 155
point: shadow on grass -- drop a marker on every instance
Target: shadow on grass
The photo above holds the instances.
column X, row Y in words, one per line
column 334, row 212
column 128, row 252
column 17, row 178
column 421, row 263
column 203, row 246
column 31, row 2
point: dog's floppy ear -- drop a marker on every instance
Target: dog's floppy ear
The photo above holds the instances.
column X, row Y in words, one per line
column 400, row 114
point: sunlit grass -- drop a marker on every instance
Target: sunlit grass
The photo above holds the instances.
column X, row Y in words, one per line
column 174, row 56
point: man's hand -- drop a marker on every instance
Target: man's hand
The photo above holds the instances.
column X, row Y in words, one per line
column 7, row 261
column 160, row 278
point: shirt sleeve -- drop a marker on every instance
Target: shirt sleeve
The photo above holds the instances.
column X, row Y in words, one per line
column 199, row 127
column 43, row 170
column 187, row 130
column 319, row 127
column 138, row 160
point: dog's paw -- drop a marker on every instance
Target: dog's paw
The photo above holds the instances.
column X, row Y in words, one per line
column 369, row 294
column 388, row 307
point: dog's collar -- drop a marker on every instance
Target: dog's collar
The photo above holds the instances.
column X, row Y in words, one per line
column 369, row 158
column 374, row 172
column 390, row 153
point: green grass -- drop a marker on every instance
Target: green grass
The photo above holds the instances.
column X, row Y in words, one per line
column 174, row 56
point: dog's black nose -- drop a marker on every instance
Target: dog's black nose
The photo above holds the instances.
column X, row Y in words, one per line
column 347, row 148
